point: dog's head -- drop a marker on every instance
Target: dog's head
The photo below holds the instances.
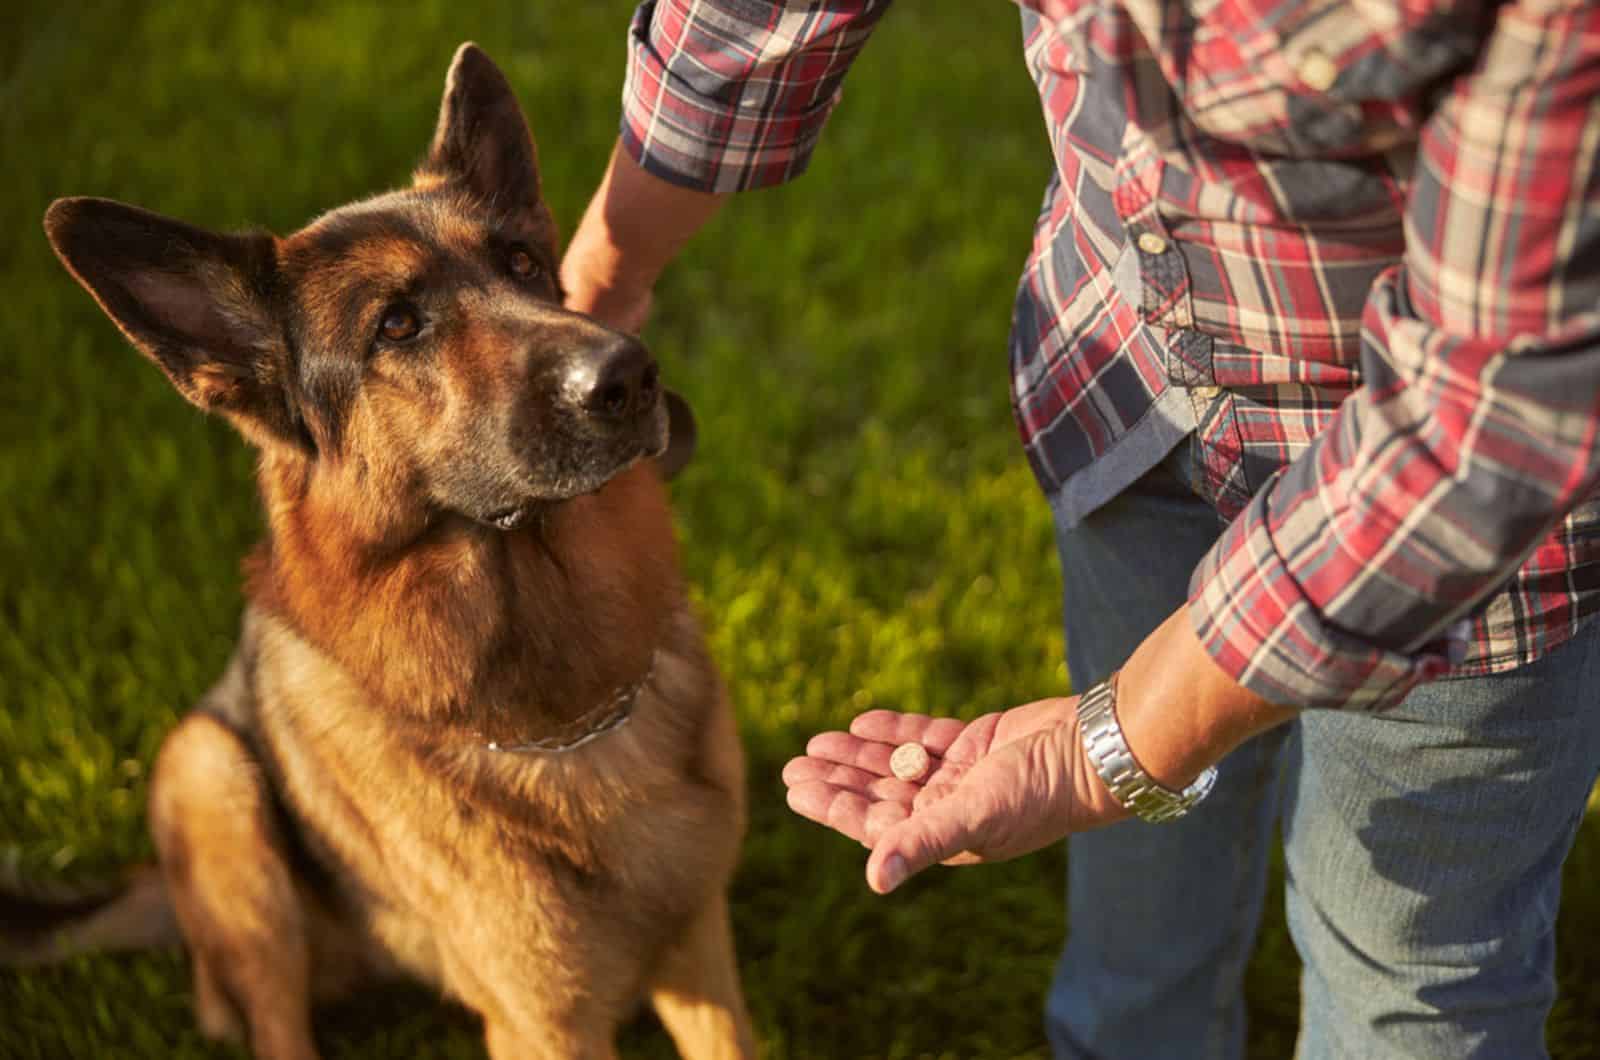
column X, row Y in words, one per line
column 415, row 341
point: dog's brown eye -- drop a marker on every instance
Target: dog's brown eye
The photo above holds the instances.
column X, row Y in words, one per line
column 400, row 322
column 522, row 264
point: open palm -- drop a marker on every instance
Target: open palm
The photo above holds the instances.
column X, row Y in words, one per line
column 999, row 786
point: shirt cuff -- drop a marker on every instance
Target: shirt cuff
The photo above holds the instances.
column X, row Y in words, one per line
column 691, row 126
column 1258, row 624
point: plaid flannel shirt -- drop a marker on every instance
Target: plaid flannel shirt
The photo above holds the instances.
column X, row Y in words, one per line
column 1351, row 251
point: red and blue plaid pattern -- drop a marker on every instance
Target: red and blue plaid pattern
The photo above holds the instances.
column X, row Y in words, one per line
column 732, row 95
column 1356, row 259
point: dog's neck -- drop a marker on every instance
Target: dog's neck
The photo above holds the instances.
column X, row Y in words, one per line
column 502, row 637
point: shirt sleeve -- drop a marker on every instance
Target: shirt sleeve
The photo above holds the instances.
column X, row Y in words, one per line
column 1346, row 580
column 724, row 95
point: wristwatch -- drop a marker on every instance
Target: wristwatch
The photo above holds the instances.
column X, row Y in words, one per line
column 1130, row 785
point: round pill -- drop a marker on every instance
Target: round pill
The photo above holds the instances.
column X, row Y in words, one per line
column 909, row 761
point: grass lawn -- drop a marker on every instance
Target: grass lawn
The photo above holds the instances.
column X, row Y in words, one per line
column 860, row 525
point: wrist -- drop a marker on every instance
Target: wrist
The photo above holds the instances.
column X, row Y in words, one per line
column 1105, row 747
column 635, row 224
column 597, row 259
column 1179, row 711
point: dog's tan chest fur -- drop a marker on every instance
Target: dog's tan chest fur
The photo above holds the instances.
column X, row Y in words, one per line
column 445, row 848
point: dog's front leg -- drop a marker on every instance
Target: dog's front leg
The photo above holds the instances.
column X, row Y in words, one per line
column 232, row 889
column 548, row 1042
column 696, row 990
column 524, row 1018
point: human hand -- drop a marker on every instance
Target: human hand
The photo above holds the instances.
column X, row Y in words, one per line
column 1009, row 783
column 999, row 786
column 635, row 224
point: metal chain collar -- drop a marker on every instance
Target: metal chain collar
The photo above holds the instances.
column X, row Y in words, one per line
column 590, row 725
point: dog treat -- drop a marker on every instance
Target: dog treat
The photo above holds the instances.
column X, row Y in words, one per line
column 909, row 761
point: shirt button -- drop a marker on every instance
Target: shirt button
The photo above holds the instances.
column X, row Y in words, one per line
column 1151, row 243
column 1205, row 393
column 1317, row 70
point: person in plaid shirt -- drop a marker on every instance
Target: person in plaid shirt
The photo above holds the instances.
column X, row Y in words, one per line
column 1306, row 358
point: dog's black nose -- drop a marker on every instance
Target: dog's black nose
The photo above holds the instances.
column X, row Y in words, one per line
column 617, row 381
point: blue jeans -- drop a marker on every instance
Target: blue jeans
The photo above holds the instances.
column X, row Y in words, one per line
column 1423, row 846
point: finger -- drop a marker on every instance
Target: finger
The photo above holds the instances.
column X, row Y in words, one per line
column 975, row 741
column 849, row 750
column 927, row 837
column 817, row 770
column 894, row 728
column 840, row 809
column 966, row 857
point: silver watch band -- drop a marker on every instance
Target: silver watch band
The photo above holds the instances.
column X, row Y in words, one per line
column 1130, row 785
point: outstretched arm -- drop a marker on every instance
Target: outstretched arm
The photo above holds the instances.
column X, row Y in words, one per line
column 1009, row 783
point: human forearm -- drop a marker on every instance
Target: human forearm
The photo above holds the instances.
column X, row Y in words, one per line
column 634, row 226
column 1179, row 711
column 1349, row 578
column 1011, row 782
column 720, row 96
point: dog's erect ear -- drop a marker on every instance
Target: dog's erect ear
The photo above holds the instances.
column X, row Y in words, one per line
column 482, row 140
column 195, row 302
column 681, row 436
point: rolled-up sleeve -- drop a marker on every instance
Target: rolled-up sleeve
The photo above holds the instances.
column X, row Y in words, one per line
column 1346, row 580
column 724, row 95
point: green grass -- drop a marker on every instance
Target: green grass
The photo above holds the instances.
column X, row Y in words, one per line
column 860, row 526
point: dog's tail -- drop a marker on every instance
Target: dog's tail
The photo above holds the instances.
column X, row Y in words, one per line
column 42, row 925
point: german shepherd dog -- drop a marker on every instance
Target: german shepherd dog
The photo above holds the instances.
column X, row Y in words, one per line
column 471, row 733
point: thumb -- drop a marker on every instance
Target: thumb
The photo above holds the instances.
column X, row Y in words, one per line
column 927, row 837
